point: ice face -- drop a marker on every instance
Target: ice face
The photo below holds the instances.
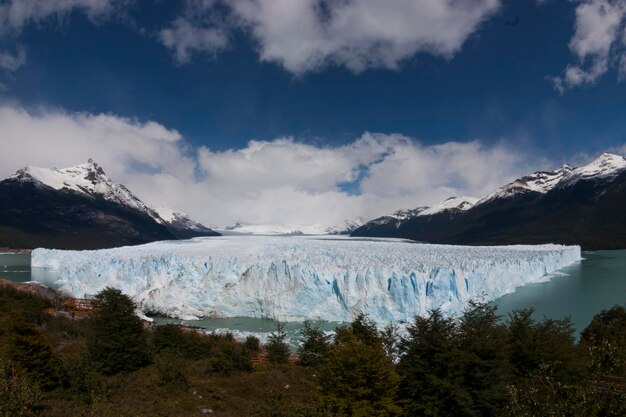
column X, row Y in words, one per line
column 298, row 278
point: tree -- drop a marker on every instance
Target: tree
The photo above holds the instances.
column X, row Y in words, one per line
column 482, row 340
column 357, row 378
column 277, row 349
column 117, row 342
column 315, row 345
column 431, row 369
column 365, row 330
column 604, row 339
column 548, row 377
column 390, row 338
column 548, row 343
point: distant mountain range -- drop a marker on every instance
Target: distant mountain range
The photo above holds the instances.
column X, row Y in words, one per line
column 584, row 206
column 81, row 208
column 346, row 228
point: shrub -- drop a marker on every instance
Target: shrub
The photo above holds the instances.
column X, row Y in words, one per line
column 30, row 306
column 252, row 344
column 172, row 370
column 18, row 396
column 27, row 347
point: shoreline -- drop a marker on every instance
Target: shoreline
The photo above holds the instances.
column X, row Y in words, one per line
column 13, row 251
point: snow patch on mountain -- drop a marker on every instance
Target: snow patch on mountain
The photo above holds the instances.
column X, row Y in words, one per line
column 180, row 219
column 450, row 204
column 87, row 179
column 298, row 278
column 453, row 203
column 605, row 166
column 538, row 182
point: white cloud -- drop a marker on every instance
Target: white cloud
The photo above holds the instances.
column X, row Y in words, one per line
column 15, row 14
column 595, row 43
column 307, row 35
column 200, row 29
column 11, row 62
column 278, row 181
column 53, row 138
column 185, row 39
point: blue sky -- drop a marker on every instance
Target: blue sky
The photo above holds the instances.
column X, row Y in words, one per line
column 540, row 79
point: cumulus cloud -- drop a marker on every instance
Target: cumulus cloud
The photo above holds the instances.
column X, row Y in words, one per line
column 11, row 62
column 266, row 182
column 307, row 35
column 55, row 138
column 597, row 42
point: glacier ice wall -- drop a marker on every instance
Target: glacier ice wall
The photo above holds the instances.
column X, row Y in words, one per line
column 298, row 278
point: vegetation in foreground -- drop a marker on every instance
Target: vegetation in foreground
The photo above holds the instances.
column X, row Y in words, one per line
column 479, row 365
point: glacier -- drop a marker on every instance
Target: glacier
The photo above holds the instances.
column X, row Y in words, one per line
column 294, row 278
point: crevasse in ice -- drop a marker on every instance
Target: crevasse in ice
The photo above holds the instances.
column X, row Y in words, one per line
column 298, row 278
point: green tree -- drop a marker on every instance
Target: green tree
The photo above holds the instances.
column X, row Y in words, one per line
column 357, row 378
column 431, row 368
column 548, row 343
column 117, row 342
column 314, row 345
column 390, row 338
column 604, row 339
column 482, row 341
column 549, row 376
column 365, row 330
column 277, row 349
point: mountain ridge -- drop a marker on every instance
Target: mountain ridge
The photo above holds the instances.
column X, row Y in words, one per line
column 569, row 205
column 78, row 207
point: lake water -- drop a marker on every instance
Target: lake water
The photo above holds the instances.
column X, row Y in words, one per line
column 580, row 291
column 16, row 267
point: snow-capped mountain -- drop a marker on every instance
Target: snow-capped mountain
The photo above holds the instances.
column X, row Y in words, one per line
column 537, row 182
column 87, row 179
column 346, row 228
column 606, row 166
column 584, row 205
column 78, row 207
column 449, row 205
column 182, row 225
